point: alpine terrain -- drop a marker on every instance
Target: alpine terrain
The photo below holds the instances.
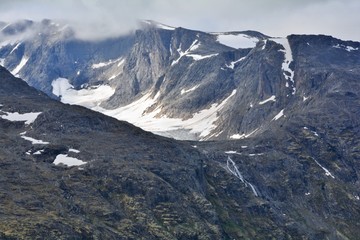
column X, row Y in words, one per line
column 267, row 133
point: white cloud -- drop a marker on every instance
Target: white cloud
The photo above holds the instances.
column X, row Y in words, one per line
column 94, row 18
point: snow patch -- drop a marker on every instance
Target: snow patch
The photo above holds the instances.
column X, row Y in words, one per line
column 113, row 77
column 121, row 62
column 198, row 57
column 315, row 133
column 34, row 141
column 195, row 45
column 183, row 91
column 255, row 154
column 38, row 152
column 242, row 136
column 101, row 64
column 133, row 112
column 89, row 97
column 198, row 126
column 203, row 121
column 232, row 152
column 287, row 72
column 270, row 99
column 347, row 48
column 232, row 64
column 18, row 68
column 74, row 150
column 279, row 115
column 68, row 161
column 105, row 64
column 264, row 46
column 16, row 47
column 237, row 40
column 327, row 172
column 28, row 118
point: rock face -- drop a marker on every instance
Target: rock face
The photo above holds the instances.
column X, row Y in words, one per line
column 70, row 173
column 187, row 84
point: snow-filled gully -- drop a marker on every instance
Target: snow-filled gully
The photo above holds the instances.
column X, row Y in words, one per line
column 232, row 168
column 288, row 59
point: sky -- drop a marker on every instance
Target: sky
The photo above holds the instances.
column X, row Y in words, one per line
column 95, row 19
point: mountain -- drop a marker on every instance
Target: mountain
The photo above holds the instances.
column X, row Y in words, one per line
column 71, row 173
column 43, row 51
column 188, row 84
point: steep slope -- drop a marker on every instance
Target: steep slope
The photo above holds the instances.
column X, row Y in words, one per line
column 313, row 74
column 135, row 67
column 227, row 93
column 68, row 172
column 194, row 85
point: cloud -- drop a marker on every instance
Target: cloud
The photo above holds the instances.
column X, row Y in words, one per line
column 90, row 18
column 103, row 18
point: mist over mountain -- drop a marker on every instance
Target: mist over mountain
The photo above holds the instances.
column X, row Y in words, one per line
column 277, row 119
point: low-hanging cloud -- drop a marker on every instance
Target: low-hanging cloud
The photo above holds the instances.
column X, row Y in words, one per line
column 95, row 19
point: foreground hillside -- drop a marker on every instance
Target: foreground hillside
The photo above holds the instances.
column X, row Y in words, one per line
column 70, row 173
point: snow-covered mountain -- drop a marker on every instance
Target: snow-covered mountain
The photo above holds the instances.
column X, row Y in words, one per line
column 284, row 113
column 183, row 83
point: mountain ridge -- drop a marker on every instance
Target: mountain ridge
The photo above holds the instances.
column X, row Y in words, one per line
column 180, row 83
